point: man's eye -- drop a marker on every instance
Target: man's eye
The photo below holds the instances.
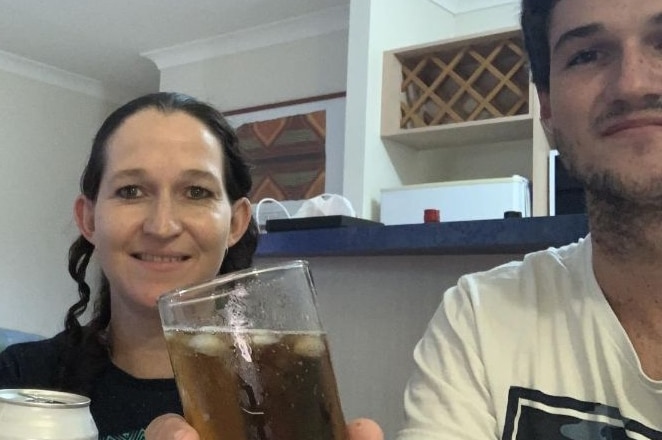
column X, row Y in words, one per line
column 584, row 57
column 197, row 192
column 129, row 192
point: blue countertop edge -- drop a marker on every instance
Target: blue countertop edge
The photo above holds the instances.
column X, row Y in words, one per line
column 513, row 235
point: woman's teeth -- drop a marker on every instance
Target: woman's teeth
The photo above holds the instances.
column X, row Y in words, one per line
column 160, row 259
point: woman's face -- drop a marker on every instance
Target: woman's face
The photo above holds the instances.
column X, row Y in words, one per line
column 162, row 218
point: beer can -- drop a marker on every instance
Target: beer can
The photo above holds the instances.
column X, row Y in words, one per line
column 28, row 414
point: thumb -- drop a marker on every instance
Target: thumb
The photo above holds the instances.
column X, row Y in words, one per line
column 364, row 429
column 170, row 427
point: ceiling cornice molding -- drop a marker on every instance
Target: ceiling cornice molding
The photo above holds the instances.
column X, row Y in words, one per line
column 297, row 28
column 457, row 7
column 54, row 76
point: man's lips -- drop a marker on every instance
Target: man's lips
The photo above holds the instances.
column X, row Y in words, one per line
column 630, row 124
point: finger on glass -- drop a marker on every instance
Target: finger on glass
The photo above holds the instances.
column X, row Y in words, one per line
column 170, row 427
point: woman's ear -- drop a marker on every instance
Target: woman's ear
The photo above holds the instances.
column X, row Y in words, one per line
column 84, row 215
column 241, row 217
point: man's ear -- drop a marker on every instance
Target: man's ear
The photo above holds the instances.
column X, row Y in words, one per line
column 84, row 215
column 545, row 112
column 241, row 217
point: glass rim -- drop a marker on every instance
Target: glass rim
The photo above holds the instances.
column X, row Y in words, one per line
column 181, row 295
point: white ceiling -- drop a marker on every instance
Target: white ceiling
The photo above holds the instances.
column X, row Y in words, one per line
column 103, row 39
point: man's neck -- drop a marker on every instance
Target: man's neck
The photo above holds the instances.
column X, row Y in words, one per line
column 627, row 262
column 627, row 256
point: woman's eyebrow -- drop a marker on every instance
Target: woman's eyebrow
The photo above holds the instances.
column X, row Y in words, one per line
column 129, row 173
column 199, row 174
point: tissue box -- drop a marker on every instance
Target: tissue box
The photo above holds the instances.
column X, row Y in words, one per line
column 479, row 199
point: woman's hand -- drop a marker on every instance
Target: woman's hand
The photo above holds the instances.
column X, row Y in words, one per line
column 174, row 427
column 364, row 429
column 170, row 427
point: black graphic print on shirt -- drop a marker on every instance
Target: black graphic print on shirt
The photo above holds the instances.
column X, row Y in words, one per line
column 135, row 435
column 534, row 415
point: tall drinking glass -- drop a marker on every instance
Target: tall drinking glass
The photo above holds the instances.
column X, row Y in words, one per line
column 250, row 357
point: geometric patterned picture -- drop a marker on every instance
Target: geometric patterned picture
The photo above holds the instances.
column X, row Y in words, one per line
column 287, row 156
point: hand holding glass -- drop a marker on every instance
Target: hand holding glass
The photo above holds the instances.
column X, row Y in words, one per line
column 250, row 357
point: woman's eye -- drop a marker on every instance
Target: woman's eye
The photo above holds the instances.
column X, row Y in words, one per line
column 129, row 192
column 197, row 192
column 584, row 57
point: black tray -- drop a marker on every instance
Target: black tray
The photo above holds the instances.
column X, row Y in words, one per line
column 327, row 221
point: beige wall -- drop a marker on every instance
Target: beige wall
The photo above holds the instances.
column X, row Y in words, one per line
column 45, row 136
column 304, row 68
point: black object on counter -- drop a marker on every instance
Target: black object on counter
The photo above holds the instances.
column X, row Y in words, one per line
column 326, row 221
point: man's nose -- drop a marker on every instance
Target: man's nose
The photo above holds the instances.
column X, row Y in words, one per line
column 163, row 219
column 637, row 76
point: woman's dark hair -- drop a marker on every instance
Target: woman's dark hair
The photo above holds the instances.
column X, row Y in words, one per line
column 535, row 19
column 89, row 343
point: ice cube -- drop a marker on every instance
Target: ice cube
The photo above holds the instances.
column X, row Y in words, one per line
column 207, row 344
column 309, row 346
column 264, row 337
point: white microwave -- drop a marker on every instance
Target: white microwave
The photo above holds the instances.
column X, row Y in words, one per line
column 461, row 200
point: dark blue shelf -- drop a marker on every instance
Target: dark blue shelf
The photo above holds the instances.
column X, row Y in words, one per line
column 513, row 235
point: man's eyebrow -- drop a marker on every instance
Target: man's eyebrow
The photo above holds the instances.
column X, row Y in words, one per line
column 580, row 32
column 592, row 29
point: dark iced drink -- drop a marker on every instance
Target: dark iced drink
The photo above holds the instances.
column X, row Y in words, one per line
column 256, row 384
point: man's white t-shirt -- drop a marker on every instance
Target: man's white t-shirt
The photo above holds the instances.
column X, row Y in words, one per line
column 530, row 350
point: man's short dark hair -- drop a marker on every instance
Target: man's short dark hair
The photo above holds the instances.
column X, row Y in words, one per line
column 535, row 19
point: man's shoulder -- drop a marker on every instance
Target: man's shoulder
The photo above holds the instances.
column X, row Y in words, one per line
column 564, row 269
column 570, row 258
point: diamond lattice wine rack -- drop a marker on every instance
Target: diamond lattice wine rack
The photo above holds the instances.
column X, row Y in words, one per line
column 482, row 79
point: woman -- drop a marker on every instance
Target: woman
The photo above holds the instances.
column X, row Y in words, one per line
column 162, row 205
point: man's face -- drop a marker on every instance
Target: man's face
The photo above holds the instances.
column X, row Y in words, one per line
column 604, row 103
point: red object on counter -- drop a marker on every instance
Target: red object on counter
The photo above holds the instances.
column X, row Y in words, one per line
column 431, row 216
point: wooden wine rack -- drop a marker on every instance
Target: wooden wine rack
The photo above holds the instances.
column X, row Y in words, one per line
column 471, row 82
column 469, row 92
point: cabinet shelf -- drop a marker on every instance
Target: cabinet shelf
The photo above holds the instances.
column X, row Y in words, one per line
column 508, row 128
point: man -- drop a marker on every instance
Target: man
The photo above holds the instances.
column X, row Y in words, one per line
column 567, row 344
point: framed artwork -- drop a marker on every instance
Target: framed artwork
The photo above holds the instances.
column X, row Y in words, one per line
column 295, row 148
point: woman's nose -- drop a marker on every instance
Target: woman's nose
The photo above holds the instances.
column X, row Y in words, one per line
column 162, row 219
